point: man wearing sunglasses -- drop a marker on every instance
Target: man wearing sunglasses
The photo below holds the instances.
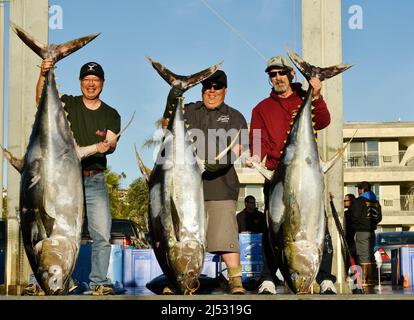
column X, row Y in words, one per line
column 220, row 182
column 272, row 118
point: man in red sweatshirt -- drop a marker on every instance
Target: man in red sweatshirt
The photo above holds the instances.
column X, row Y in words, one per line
column 269, row 130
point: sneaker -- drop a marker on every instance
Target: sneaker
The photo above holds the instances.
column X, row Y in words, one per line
column 267, row 287
column 103, row 290
column 327, row 287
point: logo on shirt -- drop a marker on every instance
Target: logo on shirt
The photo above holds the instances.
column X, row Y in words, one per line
column 100, row 133
column 223, row 118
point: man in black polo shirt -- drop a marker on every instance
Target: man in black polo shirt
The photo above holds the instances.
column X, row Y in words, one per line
column 217, row 123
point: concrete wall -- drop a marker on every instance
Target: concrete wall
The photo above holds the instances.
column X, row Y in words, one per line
column 32, row 16
column 322, row 46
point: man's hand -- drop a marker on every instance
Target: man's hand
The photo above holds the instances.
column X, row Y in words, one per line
column 46, row 65
column 103, row 146
column 316, row 84
column 250, row 160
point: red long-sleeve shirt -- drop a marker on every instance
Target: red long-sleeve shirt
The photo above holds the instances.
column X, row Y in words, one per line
column 272, row 117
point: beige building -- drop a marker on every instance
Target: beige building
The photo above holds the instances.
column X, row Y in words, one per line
column 381, row 153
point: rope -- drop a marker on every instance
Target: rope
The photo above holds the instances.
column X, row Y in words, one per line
column 233, row 29
column 190, row 291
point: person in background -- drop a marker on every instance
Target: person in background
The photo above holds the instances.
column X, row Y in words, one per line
column 349, row 232
column 250, row 219
column 366, row 213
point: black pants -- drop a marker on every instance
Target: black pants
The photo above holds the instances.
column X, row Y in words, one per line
column 270, row 265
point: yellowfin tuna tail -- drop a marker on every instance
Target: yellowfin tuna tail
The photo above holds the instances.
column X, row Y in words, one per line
column 55, row 52
column 310, row 71
column 183, row 82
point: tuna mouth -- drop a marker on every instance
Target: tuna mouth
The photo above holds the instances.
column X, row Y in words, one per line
column 187, row 261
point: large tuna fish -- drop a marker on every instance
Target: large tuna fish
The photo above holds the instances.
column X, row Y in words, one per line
column 296, row 201
column 51, row 190
column 177, row 219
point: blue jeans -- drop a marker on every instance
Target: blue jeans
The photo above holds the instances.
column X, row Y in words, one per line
column 99, row 226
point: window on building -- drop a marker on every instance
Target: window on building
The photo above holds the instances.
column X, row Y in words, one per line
column 363, row 154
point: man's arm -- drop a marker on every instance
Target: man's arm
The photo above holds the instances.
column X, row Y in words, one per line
column 46, row 65
column 258, row 139
column 322, row 117
column 109, row 144
column 174, row 93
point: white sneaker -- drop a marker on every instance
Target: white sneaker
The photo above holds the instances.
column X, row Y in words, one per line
column 327, row 287
column 267, row 287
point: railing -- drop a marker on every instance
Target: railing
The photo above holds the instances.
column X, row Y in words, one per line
column 373, row 159
column 404, row 203
column 355, row 159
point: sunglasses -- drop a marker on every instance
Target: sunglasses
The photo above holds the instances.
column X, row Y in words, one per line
column 215, row 86
column 273, row 74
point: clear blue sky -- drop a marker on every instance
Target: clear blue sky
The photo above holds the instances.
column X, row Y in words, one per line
column 186, row 36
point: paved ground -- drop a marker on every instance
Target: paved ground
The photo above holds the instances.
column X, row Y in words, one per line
column 385, row 292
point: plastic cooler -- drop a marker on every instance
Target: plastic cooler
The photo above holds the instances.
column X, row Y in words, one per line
column 251, row 256
column 83, row 264
column 402, row 266
column 141, row 266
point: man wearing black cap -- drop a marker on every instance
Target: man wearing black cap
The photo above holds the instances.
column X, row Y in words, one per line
column 220, row 181
column 272, row 119
column 94, row 125
column 365, row 216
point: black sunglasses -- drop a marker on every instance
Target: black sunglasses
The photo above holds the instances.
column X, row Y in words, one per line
column 215, row 86
column 273, row 74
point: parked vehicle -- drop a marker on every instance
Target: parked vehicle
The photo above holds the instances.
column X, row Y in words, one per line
column 387, row 241
column 124, row 232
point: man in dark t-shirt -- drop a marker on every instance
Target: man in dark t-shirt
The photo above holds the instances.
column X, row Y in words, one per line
column 217, row 125
column 250, row 219
column 94, row 125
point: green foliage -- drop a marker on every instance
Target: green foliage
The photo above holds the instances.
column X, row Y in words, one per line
column 128, row 204
column 137, row 199
column 113, row 181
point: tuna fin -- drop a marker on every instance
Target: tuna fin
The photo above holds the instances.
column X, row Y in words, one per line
column 18, row 164
column 146, row 172
column 268, row 174
column 175, row 219
column 183, row 82
column 310, row 71
column 326, row 166
column 123, row 130
column 200, row 164
column 224, row 152
column 56, row 52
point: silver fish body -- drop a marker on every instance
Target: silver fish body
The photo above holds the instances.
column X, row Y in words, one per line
column 177, row 218
column 296, row 204
column 296, row 201
column 51, row 204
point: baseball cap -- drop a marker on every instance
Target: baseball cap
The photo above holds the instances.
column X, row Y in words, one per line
column 364, row 185
column 278, row 61
column 92, row 68
column 217, row 77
